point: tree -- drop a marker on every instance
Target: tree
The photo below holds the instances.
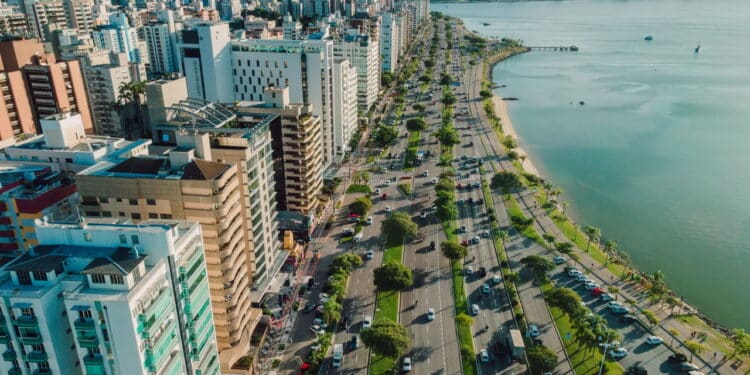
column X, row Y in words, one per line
column 446, row 211
column 392, row 276
column 129, row 106
column 384, row 135
column 609, row 247
column 331, row 311
column 347, row 262
column 540, row 265
column 386, row 338
column 541, row 358
column 586, row 338
column 694, row 347
column 445, row 184
column 449, row 99
column 566, row 299
column 424, row 78
column 447, row 135
column 592, row 233
column 399, row 226
column 674, row 333
column 386, row 79
column 512, row 277
column 741, row 340
column 672, row 302
column 658, row 288
column 506, row 181
column 361, row 206
column 484, row 93
column 445, row 78
column 419, row 107
column 509, row 142
column 453, row 250
column 416, row 124
column 550, row 239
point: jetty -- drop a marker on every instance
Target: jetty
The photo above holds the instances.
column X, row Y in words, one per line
column 558, row 48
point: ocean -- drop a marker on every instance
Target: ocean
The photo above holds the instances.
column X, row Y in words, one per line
column 658, row 156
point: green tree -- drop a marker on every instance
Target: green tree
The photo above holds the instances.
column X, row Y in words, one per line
column 694, row 347
column 385, row 135
column 453, row 250
column 658, row 289
column 445, row 79
column 392, row 276
column 386, row 79
column 513, row 277
column 446, row 211
column 424, row 78
column 592, row 233
column 585, row 337
column 331, row 311
column 416, row 124
column 347, row 262
column 361, row 206
column 449, row 99
column 741, row 341
column 566, row 299
column 447, row 135
column 550, row 239
column 674, row 333
column 485, row 93
column 130, row 108
column 540, row 265
column 541, row 358
column 419, row 107
column 506, row 181
column 609, row 247
column 445, row 185
column 672, row 302
column 399, row 226
column 386, row 338
column 509, row 142
column 564, row 247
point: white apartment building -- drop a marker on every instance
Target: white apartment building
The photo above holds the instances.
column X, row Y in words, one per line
column 45, row 16
column 207, row 62
column 109, row 298
column 304, row 66
column 161, row 41
column 119, row 37
column 292, row 29
column 12, row 21
column 344, row 106
column 389, row 43
column 364, row 54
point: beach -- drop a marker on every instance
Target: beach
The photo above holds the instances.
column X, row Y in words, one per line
column 501, row 110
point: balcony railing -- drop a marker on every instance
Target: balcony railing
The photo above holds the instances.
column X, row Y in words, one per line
column 27, row 321
column 36, row 357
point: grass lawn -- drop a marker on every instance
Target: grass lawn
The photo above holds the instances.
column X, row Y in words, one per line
column 515, row 210
column 585, row 362
column 387, row 308
column 712, row 340
column 358, row 188
column 405, row 188
column 410, row 159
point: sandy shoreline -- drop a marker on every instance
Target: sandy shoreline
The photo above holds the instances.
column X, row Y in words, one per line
column 501, row 110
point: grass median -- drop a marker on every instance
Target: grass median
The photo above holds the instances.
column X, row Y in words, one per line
column 387, row 309
column 410, row 159
column 514, row 210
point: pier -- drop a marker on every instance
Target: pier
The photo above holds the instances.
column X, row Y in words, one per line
column 558, row 48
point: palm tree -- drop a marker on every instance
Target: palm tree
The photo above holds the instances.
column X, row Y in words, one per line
column 564, row 207
column 513, row 277
column 592, row 233
column 503, row 235
column 564, row 247
column 550, row 239
column 609, row 247
column 674, row 333
column 672, row 302
column 331, row 311
column 129, row 96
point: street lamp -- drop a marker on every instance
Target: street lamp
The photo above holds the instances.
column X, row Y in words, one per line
column 604, row 356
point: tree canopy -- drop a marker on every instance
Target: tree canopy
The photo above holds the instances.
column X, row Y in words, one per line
column 399, row 226
column 384, row 135
column 506, row 181
column 347, row 262
column 566, row 299
column 447, row 135
column 393, row 276
column 453, row 250
column 541, row 358
column 539, row 264
column 386, row 338
column 416, row 124
column 361, row 206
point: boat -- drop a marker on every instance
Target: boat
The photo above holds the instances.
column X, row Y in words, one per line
column 698, row 48
column 485, row 24
column 649, row 38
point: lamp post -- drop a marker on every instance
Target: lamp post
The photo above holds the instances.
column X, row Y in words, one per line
column 606, row 347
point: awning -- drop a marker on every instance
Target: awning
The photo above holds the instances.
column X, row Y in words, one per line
column 81, row 308
column 21, row 305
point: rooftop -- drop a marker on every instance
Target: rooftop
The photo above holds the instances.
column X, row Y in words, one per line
column 104, row 260
column 159, row 168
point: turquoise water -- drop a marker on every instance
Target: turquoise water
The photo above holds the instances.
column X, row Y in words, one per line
column 658, row 156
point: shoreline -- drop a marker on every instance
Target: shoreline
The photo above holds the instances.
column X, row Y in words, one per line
column 501, row 110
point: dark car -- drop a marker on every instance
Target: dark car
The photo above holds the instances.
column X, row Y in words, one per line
column 677, row 358
column 432, row 245
column 482, row 272
column 309, row 307
column 627, row 318
column 538, row 341
column 636, row 370
column 480, row 202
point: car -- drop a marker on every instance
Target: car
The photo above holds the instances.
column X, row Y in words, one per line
column 591, row 285
column 621, row 310
column 377, row 191
column 485, row 233
column 388, row 209
column 432, row 245
column 581, row 277
column 628, row 318
column 320, row 309
column 369, row 220
column 687, row 366
column 387, row 183
column 475, row 240
column 486, row 289
column 574, row 272
column 496, row 279
column 309, row 307
column 482, row 272
column 653, row 340
column 430, row 314
column 406, row 364
column 369, row 254
column 596, row 292
column 316, row 329
column 606, row 297
column 558, row 260
column 354, row 342
column 479, row 202
column 462, row 229
column 469, row 270
column 537, row 341
column 484, row 356
column 320, row 322
column 366, row 322
column 434, row 181
column 475, row 309
column 348, row 232
column 532, row 331
column 618, row 353
column 323, row 298
column 677, row 358
column 476, row 184
column 423, row 215
column 354, row 219
column 614, row 305
column 426, row 174
column 460, row 202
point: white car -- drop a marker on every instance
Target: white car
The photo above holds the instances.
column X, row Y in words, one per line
column 388, row 209
column 496, row 279
column 462, row 229
column 574, row 273
column 320, row 322
column 406, row 367
column 613, row 305
column 426, row 173
column 558, row 260
column 618, row 353
column 475, row 309
column 606, row 297
column 581, row 277
column 532, row 331
column 369, row 220
column 591, row 285
column 485, row 234
column 316, row 329
column 477, row 184
column 423, row 215
column 484, row 356
column 621, row 310
column 653, row 340
column 434, row 181
column 366, row 322
column 469, row 270
column 430, row 314
column 475, row 240
column 369, row 254
column 377, row 191
column 387, row 183
column 486, row 289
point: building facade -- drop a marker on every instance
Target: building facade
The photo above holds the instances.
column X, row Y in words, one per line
column 119, row 37
column 206, row 62
column 344, row 106
column 364, row 53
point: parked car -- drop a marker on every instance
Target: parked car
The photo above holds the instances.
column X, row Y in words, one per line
column 606, row 297
column 628, row 318
column 475, row 309
column 388, row 209
column 369, row 220
column 596, row 292
column 677, row 358
column 432, row 245
column 366, row 322
column 462, row 229
column 486, row 289
column 482, row 272
column 309, row 307
column 532, row 331
column 558, row 260
column 369, row 254
column 687, row 366
column 484, row 356
column 354, row 342
column 618, row 353
column 653, row 340
column 406, row 364
column 475, row 240
column 496, row 279
column 469, row 270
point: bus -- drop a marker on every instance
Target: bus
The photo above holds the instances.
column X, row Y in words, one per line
column 338, row 355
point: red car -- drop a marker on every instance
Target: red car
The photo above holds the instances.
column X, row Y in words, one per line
column 597, row 292
column 385, row 196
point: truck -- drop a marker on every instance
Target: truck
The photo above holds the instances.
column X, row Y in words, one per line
column 515, row 343
column 338, row 355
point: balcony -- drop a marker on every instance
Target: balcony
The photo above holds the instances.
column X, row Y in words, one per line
column 31, row 340
column 9, row 355
column 92, row 359
column 27, row 321
column 87, row 341
column 84, row 323
column 36, row 357
column 42, row 371
column 4, row 337
column 15, row 371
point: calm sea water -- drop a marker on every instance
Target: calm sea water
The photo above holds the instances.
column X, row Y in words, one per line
column 659, row 155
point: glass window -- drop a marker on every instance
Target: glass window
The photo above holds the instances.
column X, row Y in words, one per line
column 40, row 276
column 24, row 278
column 123, row 238
column 133, row 202
column 98, row 279
column 151, row 202
column 116, row 279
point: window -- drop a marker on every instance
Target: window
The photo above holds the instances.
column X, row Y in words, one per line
column 105, row 334
column 40, row 276
column 135, row 239
column 123, row 238
column 24, row 278
column 59, row 270
column 120, row 213
column 98, row 279
column 166, row 216
column 27, row 311
column 87, row 236
column 37, row 348
column 116, row 279
column 153, row 215
column 151, row 202
column 107, row 213
column 135, row 216
column 84, row 314
column 133, row 202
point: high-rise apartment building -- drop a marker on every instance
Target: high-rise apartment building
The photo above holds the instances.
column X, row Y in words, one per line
column 206, row 62
column 344, row 106
column 292, row 28
column 364, row 53
column 304, row 66
column 13, row 22
column 389, row 43
column 45, row 16
column 109, row 298
column 297, row 138
column 229, row 9
column 16, row 119
column 79, row 14
column 119, row 37
column 161, row 39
